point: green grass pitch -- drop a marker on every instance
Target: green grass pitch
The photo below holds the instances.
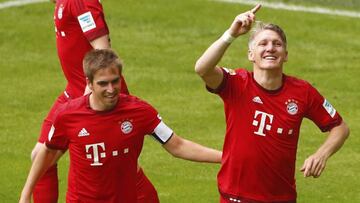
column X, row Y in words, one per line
column 159, row 41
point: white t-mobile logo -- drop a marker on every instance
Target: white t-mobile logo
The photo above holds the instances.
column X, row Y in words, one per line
column 262, row 122
column 95, row 153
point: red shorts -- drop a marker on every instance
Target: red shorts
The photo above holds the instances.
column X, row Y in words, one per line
column 48, row 121
column 244, row 200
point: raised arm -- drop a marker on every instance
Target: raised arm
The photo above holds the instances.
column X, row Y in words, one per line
column 102, row 42
column 186, row 149
column 206, row 66
column 44, row 159
column 315, row 164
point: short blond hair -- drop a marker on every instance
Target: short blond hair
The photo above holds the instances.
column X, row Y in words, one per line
column 98, row 59
column 261, row 26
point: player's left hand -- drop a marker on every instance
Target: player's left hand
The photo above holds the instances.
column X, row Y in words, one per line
column 314, row 165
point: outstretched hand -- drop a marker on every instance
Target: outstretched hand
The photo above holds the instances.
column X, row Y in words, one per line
column 314, row 165
column 242, row 23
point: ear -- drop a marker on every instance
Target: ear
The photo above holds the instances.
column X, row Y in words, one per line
column 89, row 84
column 286, row 57
column 251, row 56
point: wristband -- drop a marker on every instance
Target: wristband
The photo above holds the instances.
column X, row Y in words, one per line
column 227, row 38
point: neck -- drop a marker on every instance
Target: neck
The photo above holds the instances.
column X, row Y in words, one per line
column 96, row 105
column 269, row 79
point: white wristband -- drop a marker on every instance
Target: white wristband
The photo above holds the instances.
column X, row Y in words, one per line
column 227, row 38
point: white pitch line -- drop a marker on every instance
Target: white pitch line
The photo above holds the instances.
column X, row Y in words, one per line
column 8, row 4
column 284, row 6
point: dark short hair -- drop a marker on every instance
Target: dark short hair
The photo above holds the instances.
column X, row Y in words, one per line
column 260, row 26
column 98, row 59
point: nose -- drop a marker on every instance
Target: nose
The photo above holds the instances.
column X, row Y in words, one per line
column 110, row 88
column 270, row 47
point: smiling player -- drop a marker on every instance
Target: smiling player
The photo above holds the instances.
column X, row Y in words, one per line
column 264, row 110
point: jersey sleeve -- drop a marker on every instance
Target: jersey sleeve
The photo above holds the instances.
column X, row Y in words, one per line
column 321, row 112
column 57, row 138
column 162, row 133
column 91, row 19
column 232, row 84
column 156, row 127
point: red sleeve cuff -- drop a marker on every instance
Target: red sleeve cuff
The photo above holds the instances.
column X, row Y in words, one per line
column 222, row 84
column 96, row 34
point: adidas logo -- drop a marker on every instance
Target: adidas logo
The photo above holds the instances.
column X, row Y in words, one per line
column 83, row 133
column 257, row 100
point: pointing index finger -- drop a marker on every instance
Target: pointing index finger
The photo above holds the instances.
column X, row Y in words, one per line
column 255, row 9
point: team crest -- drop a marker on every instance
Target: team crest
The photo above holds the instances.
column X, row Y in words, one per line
column 126, row 127
column 60, row 11
column 291, row 106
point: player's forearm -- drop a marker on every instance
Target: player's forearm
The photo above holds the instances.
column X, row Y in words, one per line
column 199, row 153
column 211, row 57
column 43, row 160
column 334, row 141
column 185, row 149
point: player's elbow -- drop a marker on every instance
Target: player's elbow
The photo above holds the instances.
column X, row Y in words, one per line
column 35, row 151
column 176, row 154
column 199, row 68
column 33, row 154
column 346, row 130
column 175, row 147
column 176, row 151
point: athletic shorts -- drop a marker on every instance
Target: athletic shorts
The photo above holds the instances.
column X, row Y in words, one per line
column 243, row 200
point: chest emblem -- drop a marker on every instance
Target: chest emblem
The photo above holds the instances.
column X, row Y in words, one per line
column 83, row 133
column 291, row 106
column 126, row 127
column 60, row 11
column 257, row 99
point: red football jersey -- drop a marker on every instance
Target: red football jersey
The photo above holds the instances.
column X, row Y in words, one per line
column 104, row 147
column 77, row 22
column 262, row 133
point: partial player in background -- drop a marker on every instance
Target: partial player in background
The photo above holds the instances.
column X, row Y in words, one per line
column 264, row 110
column 80, row 26
column 104, row 133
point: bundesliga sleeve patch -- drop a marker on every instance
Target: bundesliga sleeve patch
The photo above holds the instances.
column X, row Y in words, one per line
column 86, row 21
column 51, row 132
column 329, row 108
column 162, row 133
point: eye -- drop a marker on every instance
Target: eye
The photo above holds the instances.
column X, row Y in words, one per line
column 278, row 43
column 102, row 83
column 262, row 43
column 116, row 81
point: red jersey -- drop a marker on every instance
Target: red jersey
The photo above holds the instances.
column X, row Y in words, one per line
column 104, row 147
column 77, row 22
column 262, row 132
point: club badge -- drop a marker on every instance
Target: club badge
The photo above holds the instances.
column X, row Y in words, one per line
column 291, row 106
column 126, row 127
